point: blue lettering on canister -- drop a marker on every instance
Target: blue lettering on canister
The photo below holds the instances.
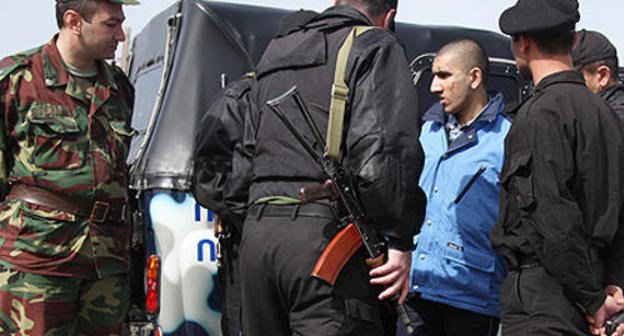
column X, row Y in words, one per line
column 200, row 250
column 198, row 210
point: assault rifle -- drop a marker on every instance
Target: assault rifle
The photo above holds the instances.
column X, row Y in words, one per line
column 359, row 231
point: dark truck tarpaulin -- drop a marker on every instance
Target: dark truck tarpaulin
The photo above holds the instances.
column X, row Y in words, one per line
column 214, row 38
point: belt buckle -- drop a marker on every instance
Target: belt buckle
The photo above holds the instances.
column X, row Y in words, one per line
column 99, row 212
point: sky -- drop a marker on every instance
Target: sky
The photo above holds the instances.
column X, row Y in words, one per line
column 29, row 23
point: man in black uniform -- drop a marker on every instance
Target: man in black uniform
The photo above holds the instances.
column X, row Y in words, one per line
column 219, row 148
column 223, row 172
column 597, row 59
column 283, row 239
column 561, row 185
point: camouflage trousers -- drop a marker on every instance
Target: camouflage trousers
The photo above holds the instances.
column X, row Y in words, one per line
column 33, row 304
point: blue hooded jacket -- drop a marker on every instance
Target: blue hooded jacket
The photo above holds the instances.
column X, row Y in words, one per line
column 454, row 263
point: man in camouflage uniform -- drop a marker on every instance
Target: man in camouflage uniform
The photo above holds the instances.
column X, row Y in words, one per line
column 64, row 136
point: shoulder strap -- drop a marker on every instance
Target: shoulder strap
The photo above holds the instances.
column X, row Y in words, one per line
column 15, row 62
column 5, row 71
column 340, row 95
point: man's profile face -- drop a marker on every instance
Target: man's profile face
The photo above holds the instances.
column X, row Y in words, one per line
column 101, row 36
column 451, row 82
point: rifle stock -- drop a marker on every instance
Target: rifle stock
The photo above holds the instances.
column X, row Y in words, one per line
column 337, row 253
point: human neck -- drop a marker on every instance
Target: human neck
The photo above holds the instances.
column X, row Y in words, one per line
column 473, row 109
column 71, row 55
column 544, row 67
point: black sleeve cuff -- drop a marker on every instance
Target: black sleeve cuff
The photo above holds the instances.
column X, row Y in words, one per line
column 401, row 245
column 592, row 305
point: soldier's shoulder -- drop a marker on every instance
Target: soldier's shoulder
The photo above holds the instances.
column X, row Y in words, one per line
column 239, row 88
column 295, row 21
column 618, row 96
column 374, row 38
column 12, row 63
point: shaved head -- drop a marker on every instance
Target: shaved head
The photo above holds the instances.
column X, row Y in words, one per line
column 460, row 72
column 469, row 54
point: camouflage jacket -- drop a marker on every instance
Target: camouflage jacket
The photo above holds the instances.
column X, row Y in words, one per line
column 59, row 137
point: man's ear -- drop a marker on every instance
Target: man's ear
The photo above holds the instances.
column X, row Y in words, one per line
column 604, row 76
column 524, row 45
column 389, row 19
column 73, row 21
column 476, row 78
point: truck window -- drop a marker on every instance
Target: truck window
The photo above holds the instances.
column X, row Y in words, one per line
column 146, row 85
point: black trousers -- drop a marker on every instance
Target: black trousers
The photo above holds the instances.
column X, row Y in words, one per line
column 229, row 275
column 279, row 249
column 533, row 303
column 443, row 320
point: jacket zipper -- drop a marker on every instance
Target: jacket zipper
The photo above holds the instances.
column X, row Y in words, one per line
column 473, row 179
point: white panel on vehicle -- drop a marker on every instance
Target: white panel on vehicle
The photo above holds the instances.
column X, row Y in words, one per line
column 186, row 244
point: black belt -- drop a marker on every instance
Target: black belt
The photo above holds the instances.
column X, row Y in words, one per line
column 532, row 261
column 297, row 210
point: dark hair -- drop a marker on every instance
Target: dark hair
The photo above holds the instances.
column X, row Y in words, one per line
column 556, row 41
column 611, row 63
column 472, row 55
column 86, row 9
column 372, row 7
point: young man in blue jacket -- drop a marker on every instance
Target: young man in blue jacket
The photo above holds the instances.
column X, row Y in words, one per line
column 456, row 274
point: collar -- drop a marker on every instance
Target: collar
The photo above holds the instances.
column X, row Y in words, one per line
column 56, row 75
column 489, row 113
column 54, row 72
column 606, row 94
column 567, row 76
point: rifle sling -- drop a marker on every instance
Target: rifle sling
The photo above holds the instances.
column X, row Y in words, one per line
column 340, row 95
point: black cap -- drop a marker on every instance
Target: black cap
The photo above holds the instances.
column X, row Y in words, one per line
column 529, row 16
column 591, row 47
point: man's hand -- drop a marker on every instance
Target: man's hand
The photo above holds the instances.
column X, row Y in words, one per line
column 394, row 274
column 619, row 331
column 617, row 294
column 612, row 305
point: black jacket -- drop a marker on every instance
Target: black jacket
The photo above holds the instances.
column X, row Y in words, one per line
column 561, row 189
column 380, row 145
column 615, row 98
column 222, row 161
column 222, row 169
